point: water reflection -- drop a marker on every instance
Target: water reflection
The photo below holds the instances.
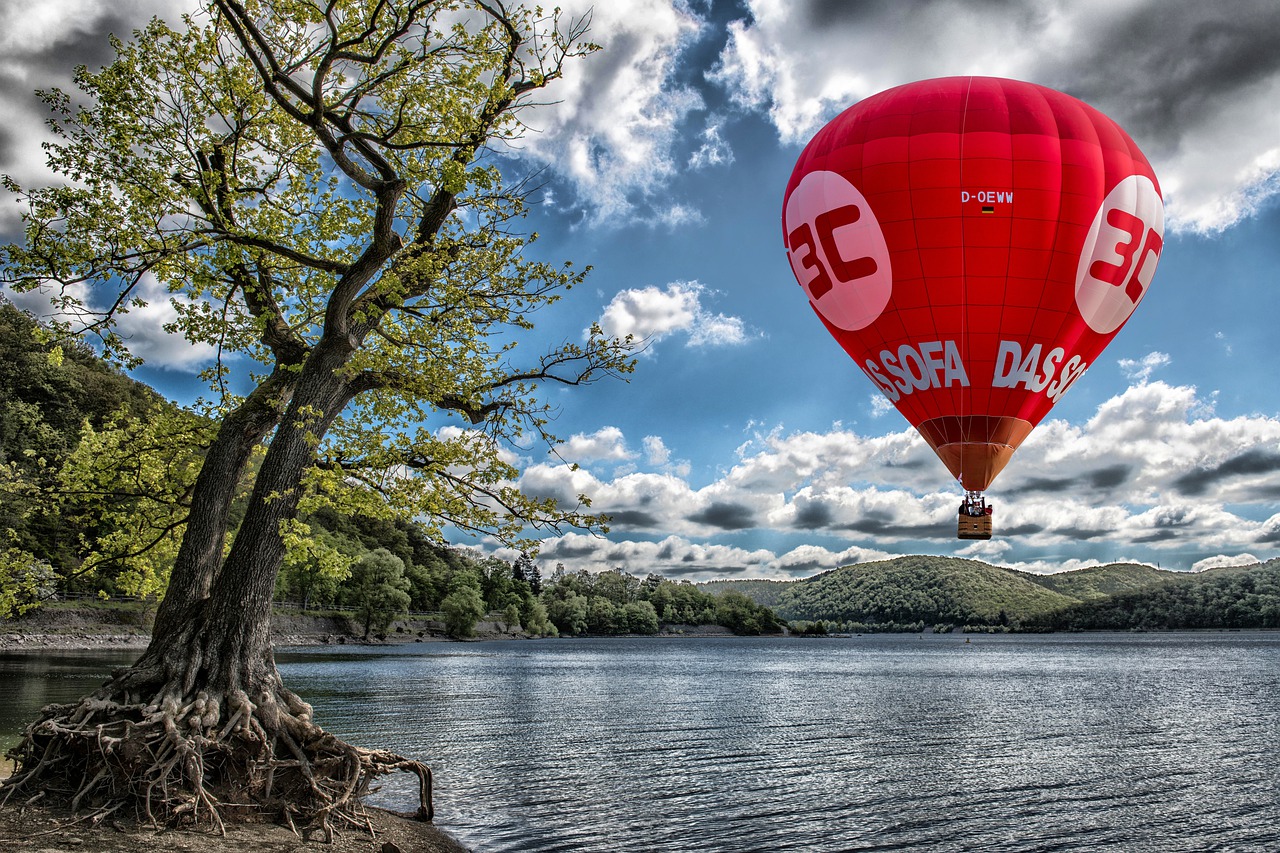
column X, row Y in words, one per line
column 1082, row 742
column 29, row 681
column 1023, row 743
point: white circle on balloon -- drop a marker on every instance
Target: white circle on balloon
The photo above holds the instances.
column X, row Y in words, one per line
column 1120, row 254
column 837, row 250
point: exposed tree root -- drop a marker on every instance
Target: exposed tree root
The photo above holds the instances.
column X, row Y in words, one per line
column 201, row 759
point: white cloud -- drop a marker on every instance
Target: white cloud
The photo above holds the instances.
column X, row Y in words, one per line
column 1140, row 370
column 452, row 432
column 679, row 557
column 717, row 330
column 676, row 215
column 605, row 444
column 1149, row 478
column 658, row 456
column 1195, row 84
column 880, row 405
column 715, row 149
column 613, row 130
column 1222, row 560
column 656, row 450
column 142, row 328
column 652, row 313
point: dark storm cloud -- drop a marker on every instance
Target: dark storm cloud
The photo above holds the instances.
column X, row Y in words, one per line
column 1250, row 462
column 675, row 570
column 90, row 48
column 1020, row 529
column 1080, row 534
column 6, row 144
column 1053, row 485
column 1103, row 478
column 881, row 526
column 805, row 569
column 47, row 63
column 1156, row 536
column 869, row 521
column 1109, row 477
column 632, row 518
column 52, row 65
column 1161, row 67
column 813, row 516
column 726, row 516
column 826, row 13
column 561, row 550
column 1270, row 537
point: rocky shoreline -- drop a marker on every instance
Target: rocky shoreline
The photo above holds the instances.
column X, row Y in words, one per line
column 112, row 627
column 106, row 627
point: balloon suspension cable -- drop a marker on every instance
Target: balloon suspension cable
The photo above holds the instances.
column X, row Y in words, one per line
column 975, row 504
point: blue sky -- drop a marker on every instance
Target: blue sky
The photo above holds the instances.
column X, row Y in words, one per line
column 747, row 444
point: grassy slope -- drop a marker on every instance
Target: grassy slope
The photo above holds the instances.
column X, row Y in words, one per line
column 1105, row 581
column 943, row 589
column 912, row 589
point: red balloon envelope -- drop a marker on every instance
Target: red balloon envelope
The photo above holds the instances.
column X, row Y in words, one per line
column 973, row 243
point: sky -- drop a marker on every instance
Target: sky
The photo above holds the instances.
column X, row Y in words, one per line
column 747, row 444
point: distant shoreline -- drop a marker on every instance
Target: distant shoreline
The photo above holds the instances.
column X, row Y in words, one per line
column 25, row 641
column 128, row 626
column 87, row 642
column 121, row 628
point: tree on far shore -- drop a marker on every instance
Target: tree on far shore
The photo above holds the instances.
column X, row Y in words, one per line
column 314, row 186
column 380, row 591
column 462, row 610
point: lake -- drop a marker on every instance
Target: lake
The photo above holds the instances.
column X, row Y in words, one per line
column 1082, row 742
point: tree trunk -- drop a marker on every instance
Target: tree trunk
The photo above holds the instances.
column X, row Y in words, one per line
column 203, row 720
column 200, row 554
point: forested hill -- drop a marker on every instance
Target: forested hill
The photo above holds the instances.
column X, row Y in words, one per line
column 1103, row 581
column 1229, row 597
column 909, row 592
column 47, row 396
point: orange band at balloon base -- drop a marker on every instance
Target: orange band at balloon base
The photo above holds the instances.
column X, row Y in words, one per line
column 975, row 448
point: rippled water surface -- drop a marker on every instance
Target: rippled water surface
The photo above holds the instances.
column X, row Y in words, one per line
column 1081, row 742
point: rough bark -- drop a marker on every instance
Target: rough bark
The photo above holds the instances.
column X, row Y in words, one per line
column 200, row 554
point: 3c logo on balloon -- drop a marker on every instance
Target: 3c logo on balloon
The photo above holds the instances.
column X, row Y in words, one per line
column 1120, row 254
column 837, row 250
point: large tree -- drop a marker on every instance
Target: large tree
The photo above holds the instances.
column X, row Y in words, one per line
column 316, row 185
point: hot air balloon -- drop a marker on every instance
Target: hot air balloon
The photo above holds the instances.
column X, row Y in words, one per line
column 973, row 243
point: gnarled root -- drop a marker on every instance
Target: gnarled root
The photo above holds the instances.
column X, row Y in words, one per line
column 201, row 759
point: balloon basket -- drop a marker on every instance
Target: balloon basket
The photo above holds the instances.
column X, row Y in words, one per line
column 973, row 527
